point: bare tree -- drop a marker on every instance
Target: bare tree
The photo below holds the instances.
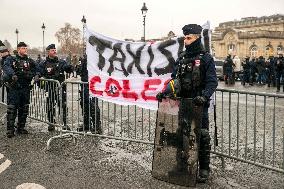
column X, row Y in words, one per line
column 70, row 39
column 34, row 52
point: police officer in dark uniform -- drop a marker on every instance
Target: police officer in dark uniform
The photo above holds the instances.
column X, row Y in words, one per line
column 279, row 71
column 253, row 71
column 54, row 68
column 246, row 74
column 18, row 73
column 195, row 70
column 90, row 107
column 228, row 70
column 272, row 71
column 4, row 53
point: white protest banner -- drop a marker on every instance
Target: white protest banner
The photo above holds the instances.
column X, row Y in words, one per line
column 130, row 73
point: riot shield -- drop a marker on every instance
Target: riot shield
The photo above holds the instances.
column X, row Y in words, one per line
column 175, row 156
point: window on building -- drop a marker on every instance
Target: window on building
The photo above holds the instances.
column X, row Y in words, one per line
column 231, row 47
column 253, row 51
column 268, row 51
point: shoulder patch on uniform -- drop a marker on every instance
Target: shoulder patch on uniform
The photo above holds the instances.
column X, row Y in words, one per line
column 206, row 57
column 197, row 62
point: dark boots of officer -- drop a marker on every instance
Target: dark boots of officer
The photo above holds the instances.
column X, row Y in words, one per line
column 91, row 114
column 11, row 116
column 22, row 117
column 95, row 114
column 204, row 155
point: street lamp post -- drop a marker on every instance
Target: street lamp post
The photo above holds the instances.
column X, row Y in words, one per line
column 144, row 10
column 17, row 33
column 43, row 28
column 84, row 21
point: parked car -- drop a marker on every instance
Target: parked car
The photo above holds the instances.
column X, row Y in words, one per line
column 219, row 69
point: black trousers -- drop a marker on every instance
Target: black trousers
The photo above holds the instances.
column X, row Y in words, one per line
column 53, row 100
column 18, row 100
column 90, row 108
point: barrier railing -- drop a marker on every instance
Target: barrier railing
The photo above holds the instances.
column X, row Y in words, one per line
column 45, row 102
column 128, row 123
column 250, row 124
column 3, row 102
column 3, row 94
column 250, row 128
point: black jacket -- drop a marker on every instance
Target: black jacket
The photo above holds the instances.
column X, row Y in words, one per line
column 208, row 80
column 54, row 68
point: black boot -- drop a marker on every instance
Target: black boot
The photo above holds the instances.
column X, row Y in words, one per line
column 95, row 115
column 203, row 175
column 98, row 128
column 10, row 133
column 22, row 117
column 22, row 130
column 204, row 155
column 11, row 116
column 50, row 127
column 66, row 127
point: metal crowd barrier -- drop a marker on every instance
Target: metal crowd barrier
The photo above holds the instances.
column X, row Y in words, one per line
column 127, row 123
column 3, row 94
column 250, row 128
column 3, row 102
column 250, row 124
column 45, row 93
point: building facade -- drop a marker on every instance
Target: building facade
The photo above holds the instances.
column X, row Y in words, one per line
column 250, row 36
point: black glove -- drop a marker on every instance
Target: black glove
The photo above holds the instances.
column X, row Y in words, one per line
column 160, row 96
column 36, row 78
column 69, row 68
column 14, row 78
column 199, row 100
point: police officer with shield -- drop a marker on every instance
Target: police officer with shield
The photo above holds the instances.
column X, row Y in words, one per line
column 18, row 74
column 195, row 71
column 54, row 68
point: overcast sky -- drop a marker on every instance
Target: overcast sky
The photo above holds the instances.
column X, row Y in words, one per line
column 121, row 18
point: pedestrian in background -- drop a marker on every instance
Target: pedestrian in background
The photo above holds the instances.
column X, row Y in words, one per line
column 279, row 71
column 237, row 67
column 228, row 70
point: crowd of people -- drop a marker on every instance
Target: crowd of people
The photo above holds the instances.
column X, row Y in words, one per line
column 253, row 70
